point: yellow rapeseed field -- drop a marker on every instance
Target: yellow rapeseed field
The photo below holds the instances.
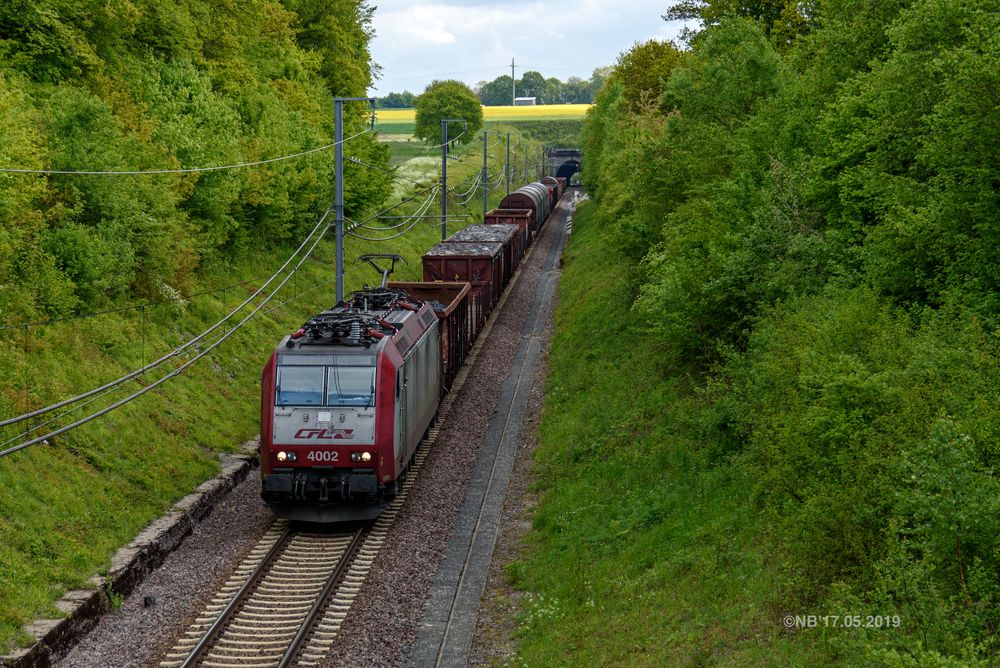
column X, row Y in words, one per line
column 541, row 111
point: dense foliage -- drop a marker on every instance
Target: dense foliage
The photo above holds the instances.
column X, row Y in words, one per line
column 448, row 99
column 560, row 133
column 814, row 212
column 402, row 100
column 574, row 90
column 159, row 84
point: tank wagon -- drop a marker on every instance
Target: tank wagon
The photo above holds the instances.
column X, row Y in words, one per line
column 347, row 398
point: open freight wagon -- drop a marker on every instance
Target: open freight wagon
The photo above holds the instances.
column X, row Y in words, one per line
column 523, row 218
column 451, row 304
column 508, row 235
column 478, row 263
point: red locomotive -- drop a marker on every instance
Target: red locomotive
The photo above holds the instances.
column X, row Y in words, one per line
column 345, row 401
column 348, row 397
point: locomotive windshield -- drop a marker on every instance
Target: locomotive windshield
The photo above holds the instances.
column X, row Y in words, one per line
column 350, row 386
column 300, row 386
column 325, row 386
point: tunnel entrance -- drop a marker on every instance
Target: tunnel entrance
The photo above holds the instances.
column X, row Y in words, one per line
column 568, row 169
column 564, row 162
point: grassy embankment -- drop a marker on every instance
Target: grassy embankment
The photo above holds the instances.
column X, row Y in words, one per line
column 69, row 505
column 66, row 507
column 646, row 549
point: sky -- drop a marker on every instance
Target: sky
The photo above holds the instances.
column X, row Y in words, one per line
column 417, row 42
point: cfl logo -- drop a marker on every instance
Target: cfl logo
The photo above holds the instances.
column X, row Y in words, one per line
column 326, row 434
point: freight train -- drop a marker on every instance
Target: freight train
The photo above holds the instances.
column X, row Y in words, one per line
column 347, row 398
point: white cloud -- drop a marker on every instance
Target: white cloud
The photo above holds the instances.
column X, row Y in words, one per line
column 417, row 42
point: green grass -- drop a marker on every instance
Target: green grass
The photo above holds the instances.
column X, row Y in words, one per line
column 396, row 127
column 556, row 133
column 646, row 548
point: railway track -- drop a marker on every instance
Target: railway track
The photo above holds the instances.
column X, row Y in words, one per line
column 269, row 610
column 285, row 603
column 256, row 621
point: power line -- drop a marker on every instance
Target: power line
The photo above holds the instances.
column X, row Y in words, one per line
column 182, row 170
column 419, row 214
column 397, row 141
column 174, row 353
column 175, row 372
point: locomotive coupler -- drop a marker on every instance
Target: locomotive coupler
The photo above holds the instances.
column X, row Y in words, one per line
column 323, row 497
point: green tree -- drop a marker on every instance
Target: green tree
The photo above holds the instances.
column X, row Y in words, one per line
column 643, row 70
column 340, row 32
column 532, row 84
column 447, row 99
column 576, row 91
column 156, row 84
column 782, row 19
column 402, row 100
column 497, row 93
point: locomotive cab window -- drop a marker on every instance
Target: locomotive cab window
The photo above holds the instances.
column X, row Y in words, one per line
column 350, row 386
column 299, row 386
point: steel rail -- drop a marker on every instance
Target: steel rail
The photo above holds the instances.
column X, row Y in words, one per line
column 314, row 614
column 213, row 632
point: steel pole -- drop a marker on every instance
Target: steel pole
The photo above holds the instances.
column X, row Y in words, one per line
column 444, row 179
column 338, row 137
column 506, row 165
column 513, row 84
column 485, row 169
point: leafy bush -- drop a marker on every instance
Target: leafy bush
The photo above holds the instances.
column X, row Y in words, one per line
column 814, row 223
column 158, row 85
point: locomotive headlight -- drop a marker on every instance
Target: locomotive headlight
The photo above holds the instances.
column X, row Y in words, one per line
column 286, row 456
column 282, row 456
column 355, row 457
column 366, row 456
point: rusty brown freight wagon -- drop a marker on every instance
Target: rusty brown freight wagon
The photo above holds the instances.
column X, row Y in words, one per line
column 508, row 235
column 477, row 263
column 521, row 217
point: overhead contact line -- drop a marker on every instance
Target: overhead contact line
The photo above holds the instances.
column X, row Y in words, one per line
column 180, row 170
column 104, row 389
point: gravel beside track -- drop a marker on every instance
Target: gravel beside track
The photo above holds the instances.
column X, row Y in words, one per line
column 494, row 643
column 385, row 617
column 137, row 635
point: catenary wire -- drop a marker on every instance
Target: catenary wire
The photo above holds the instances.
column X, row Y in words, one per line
column 175, row 372
column 181, row 170
column 397, row 141
column 420, row 211
column 177, row 351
